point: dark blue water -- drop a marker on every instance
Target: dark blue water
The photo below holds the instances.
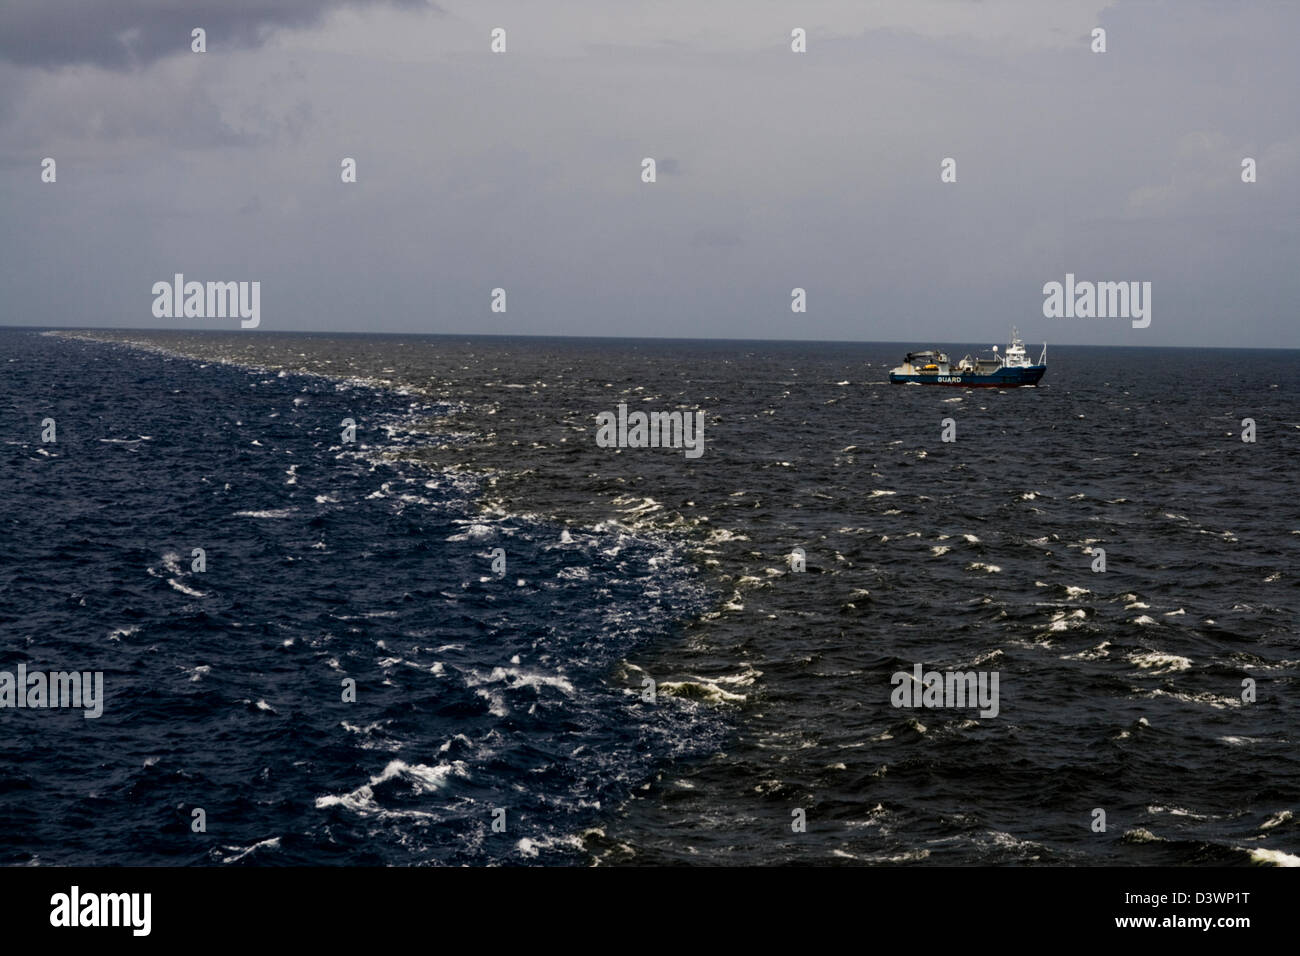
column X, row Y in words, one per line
column 324, row 561
column 1120, row 691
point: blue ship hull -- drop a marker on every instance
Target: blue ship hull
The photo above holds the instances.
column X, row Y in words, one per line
column 1002, row 378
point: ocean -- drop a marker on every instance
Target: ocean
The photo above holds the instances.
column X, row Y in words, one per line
column 462, row 631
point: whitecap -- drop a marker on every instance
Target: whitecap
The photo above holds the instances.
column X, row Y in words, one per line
column 1158, row 663
column 1275, row 857
column 183, row 589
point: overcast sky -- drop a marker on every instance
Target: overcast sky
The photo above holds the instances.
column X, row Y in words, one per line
column 523, row 170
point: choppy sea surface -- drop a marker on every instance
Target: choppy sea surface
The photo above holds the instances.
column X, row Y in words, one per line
column 522, row 696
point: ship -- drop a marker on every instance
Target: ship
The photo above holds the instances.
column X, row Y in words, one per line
column 1009, row 369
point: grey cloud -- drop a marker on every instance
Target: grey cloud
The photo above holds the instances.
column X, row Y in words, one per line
column 717, row 238
column 819, row 171
column 125, row 34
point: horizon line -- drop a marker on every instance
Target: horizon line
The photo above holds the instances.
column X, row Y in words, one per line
column 617, row 338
